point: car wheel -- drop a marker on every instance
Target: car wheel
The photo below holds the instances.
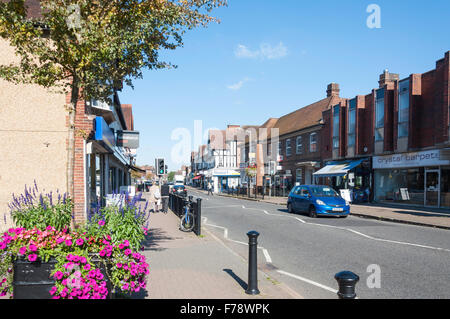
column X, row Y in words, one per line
column 312, row 211
column 290, row 210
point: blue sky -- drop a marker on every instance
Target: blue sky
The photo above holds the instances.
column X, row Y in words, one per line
column 268, row 58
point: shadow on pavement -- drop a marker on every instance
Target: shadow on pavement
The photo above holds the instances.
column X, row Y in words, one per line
column 241, row 283
column 154, row 238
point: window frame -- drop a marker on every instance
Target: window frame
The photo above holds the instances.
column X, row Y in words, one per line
column 299, row 146
column 351, row 132
column 311, row 150
column 336, row 127
column 288, row 147
column 403, row 90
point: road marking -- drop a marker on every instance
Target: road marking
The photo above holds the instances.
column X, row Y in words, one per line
column 266, row 255
column 225, row 235
column 307, row 281
column 347, row 229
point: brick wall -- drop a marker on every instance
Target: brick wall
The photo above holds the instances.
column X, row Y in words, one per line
column 84, row 129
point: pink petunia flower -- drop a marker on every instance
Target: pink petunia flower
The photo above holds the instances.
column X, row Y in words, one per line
column 32, row 257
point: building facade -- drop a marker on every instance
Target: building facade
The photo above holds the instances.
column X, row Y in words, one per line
column 34, row 129
column 392, row 145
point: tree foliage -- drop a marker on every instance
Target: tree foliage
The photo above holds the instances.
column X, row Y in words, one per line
column 96, row 45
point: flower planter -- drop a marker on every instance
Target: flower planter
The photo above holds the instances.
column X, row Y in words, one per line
column 32, row 280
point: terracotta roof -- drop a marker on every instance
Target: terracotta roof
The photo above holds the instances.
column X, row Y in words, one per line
column 304, row 117
column 127, row 110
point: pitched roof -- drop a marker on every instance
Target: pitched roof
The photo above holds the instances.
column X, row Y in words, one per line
column 304, row 117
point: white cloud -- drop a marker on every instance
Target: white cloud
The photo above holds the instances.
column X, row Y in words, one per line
column 265, row 51
column 238, row 85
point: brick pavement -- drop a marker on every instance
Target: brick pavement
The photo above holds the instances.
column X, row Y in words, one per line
column 184, row 266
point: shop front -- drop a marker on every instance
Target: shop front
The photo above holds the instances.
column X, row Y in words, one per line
column 225, row 179
column 419, row 178
column 350, row 178
column 107, row 165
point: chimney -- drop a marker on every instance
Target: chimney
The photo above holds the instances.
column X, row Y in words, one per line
column 387, row 77
column 333, row 90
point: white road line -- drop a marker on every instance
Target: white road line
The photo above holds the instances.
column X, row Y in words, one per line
column 307, row 281
column 266, row 255
column 350, row 230
column 225, row 235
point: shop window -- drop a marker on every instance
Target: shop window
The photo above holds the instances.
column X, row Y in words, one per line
column 313, row 142
column 352, row 123
column 279, row 148
column 400, row 186
column 379, row 116
column 336, row 127
column 403, row 109
column 445, row 187
column 299, row 146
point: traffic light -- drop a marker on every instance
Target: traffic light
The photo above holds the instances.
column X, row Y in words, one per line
column 165, row 167
column 161, row 168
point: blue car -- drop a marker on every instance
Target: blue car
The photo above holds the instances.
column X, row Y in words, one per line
column 317, row 200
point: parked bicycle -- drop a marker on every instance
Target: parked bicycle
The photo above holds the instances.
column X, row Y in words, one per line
column 187, row 222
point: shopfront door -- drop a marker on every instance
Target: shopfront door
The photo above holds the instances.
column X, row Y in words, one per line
column 432, row 188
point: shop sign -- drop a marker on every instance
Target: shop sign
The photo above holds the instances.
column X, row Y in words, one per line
column 103, row 132
column 129, row 139
column 417, row 159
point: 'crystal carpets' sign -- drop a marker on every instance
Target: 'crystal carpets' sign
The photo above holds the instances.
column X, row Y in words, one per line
column 417, row 159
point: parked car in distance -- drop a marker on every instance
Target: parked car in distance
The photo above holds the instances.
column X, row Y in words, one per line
column 317, row 200
column 179, row 190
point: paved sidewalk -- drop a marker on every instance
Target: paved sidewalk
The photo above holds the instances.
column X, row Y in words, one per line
column 439, row 218
column 184, row 266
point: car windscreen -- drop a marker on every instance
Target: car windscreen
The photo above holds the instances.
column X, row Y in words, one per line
column 322, row 191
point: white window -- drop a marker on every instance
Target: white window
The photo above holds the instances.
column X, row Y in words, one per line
column 313, row 142
column 299, row 148
column 288, row 147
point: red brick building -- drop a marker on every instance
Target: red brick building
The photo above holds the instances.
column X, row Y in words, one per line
column 392, row 144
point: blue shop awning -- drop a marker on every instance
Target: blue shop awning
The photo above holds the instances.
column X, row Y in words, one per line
column 337, row 168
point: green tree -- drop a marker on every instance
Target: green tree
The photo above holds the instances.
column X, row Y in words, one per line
column 171, row 176
column 89, row 48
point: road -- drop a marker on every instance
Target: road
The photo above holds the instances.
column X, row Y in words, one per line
column 306, row 253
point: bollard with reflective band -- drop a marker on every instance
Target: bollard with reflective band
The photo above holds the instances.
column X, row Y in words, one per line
column 252, row 288
column 347, row 282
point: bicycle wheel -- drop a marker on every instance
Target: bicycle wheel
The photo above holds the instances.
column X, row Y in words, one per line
column 187, row 222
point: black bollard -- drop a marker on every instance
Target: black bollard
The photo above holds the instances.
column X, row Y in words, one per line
column 198, row 218
column 252, row 287
column 347, row 281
